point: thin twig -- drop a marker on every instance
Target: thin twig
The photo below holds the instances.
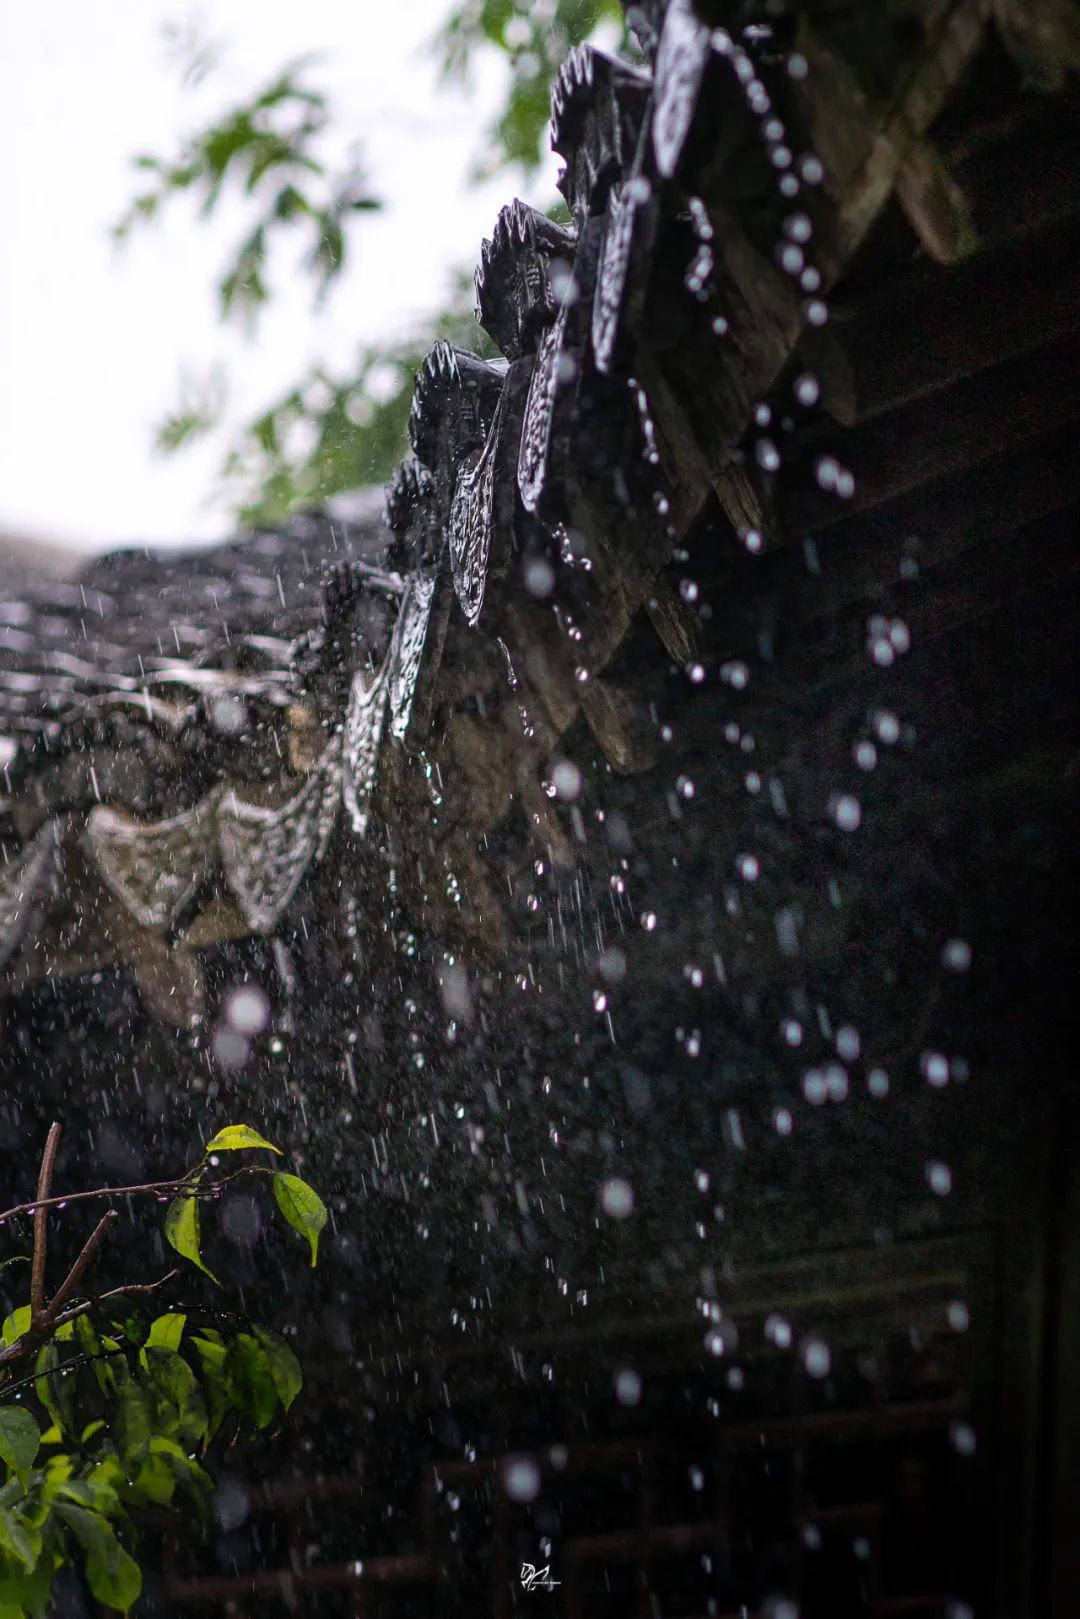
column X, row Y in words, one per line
column 182, row 1182
column 75, row 1274
column 37, row 1273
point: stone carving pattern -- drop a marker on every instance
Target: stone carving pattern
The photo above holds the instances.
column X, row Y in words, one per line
column 265, row 852
column 364, row 722
column 539, row 413
column 680, row 66
column 154, row 870
column 407, row 652
column 469, row 525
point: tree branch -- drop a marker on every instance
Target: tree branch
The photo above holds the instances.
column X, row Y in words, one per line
column 37, row 1273
column 75, row 1274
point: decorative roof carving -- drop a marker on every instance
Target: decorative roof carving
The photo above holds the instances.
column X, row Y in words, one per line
column 598, row 107
column 515, row 299
column 453, row 405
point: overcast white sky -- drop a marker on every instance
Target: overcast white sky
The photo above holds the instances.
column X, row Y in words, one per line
column 95, row 342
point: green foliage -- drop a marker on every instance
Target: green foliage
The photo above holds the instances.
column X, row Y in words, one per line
column 341, row 429
column 123, row 1402
column 268, row 149
column 534, row 38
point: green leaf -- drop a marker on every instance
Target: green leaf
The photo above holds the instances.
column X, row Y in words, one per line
column 114, row 1577
column 171, row 1373
column 15, row 1325
column 167, row 1330
column 249, row 1380
column 154, row 1482
column 235, row 1137
column 212, row 1352
column 19, row 1440
column 131, row 1421
column 175, row 1379
column 22, row 1593
column 90, row 1344
column 188, row 1474
column 94, row 1492
column 56, row 1393
column 302, row 1207
column 182, row 1231
column 284, row 1366
column 19, row 1539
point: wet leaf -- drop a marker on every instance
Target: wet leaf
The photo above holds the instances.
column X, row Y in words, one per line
column 113, row 1577
column 57, row 1394
column 249, row 1379
column 19, row 1440
column 284, row 1366
column 167, row 1330
column 18, row 1539
column 182, row 1231
column 302, row 1207
column 237, row 1137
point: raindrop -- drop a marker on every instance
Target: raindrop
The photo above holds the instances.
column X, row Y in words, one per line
column 816, row 1357
column 939, row 1178
column 247, row 1010
column 957, row 1316
column 956, row 956
column 567, row 780
column 877, row 1082
column 521, row 1478
column 846, row 811
column 935, row 1068
column 628, row 1386
column 962, row 1438
column 617, row 1197
column 848, row 1044
column 886, row 728
column 778, row 1331
column 807, row 389
column 539, row 577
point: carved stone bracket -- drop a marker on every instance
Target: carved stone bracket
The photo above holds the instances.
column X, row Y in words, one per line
column 452, row 410
column 597, row 108
column 482, row 510
column 515, row 298
column 556, row 379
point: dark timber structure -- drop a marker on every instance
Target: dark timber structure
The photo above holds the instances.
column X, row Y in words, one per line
column 655, row 849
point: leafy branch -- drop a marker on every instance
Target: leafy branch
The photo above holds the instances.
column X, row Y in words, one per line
column 123, row 1441
column 267, row 149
